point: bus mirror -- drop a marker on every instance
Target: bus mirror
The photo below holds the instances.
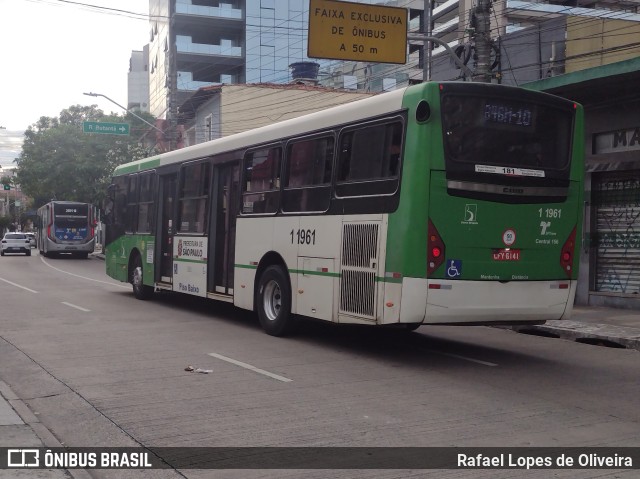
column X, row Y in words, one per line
column 108, row 211
column 111, row 191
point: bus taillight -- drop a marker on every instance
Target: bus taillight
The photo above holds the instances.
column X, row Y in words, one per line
column 435, row 249
column 566, row 254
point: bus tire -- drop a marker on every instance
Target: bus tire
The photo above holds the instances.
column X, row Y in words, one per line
column 274, row 302
column 140, row 290
column 412, row 326
column 28, row 253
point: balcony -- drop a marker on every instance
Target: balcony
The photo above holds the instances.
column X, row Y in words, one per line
column 447, row 27
column 225, row 10
column 447, row 8
column 187, row 83
column 184, row 44
column 531, row 11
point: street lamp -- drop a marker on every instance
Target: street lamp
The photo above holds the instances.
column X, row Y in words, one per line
column 125, row 109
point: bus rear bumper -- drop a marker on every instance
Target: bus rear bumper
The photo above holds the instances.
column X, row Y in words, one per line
column 493, row 302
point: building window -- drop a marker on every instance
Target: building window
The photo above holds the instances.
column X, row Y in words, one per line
column 208, row 128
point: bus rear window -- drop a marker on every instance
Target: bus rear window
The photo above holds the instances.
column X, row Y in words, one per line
column 505, row 132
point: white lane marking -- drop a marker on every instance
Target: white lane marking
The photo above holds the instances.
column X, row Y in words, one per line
column 478, row 361
column 252, row 368
column 77, row 307
column 84, row 277
column 18, row 286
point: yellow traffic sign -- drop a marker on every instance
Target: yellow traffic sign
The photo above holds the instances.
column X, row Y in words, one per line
column 357, row 32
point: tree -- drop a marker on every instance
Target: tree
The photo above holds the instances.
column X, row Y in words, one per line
column 5, row 223
column 59, row 161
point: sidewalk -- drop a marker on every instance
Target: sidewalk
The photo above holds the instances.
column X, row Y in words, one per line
column 594, row 325
column 20, row 428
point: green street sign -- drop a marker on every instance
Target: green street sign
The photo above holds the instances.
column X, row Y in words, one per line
column 105, row 128
column 7, row 187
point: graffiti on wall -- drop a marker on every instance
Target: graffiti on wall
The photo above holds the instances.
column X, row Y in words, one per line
column 617, row 238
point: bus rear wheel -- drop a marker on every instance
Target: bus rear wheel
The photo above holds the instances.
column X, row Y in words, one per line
column 274, row 302
column 140, row 290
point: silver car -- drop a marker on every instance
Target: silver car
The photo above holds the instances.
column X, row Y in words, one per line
column 15, row 243
column 32, row 239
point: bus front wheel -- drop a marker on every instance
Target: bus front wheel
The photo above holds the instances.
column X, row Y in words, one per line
column 140, row 290
column 274, row 302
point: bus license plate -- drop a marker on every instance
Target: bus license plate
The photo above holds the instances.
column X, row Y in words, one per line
column 506, row 254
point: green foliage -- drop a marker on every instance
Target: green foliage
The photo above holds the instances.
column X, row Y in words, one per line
column 5, row 222
column 59, row 161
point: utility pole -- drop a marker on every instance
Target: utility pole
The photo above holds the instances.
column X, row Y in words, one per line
column 426, row 52
column 173, row 81
column 482, row 40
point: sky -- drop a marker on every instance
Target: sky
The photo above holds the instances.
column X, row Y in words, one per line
column 52, row 51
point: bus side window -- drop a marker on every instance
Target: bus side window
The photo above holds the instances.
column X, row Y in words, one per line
column 308, row 175
column 261, row 187
column 146, row 204
column 120, row 200
column 132, row 204
column 194, row 192
column 370, row 158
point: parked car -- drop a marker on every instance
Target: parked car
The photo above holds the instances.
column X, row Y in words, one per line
column 32, row 239
column 15, row 243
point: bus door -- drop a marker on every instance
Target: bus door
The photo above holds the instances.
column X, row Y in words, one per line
column 223, row 228
column 168, row 188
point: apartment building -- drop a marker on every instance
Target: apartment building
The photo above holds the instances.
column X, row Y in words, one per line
column 138, row 80
column 196, row 43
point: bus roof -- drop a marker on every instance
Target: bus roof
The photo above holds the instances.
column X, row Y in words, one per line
column 369, row 107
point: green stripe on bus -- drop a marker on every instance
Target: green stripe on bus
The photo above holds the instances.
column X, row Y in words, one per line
column 315, row 273
column 378, row 279
column 246, row 266
column 182, row 260
column 145, row 165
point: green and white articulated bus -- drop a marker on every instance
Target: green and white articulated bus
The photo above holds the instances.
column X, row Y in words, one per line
column 441, row 203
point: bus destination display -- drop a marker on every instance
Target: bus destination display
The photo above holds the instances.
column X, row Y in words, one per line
column 505, row 114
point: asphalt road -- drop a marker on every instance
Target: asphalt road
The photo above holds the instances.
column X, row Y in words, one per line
column 100, row 368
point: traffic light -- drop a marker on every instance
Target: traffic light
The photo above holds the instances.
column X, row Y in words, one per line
column 7, row 187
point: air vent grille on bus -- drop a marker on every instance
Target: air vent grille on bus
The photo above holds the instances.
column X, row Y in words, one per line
column 359, row 244
column 359, row 264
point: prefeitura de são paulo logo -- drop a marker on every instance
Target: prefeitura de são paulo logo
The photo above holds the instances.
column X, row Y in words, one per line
column 179, row 247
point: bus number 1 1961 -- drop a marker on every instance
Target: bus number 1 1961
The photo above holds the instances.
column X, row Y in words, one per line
column 303, row 236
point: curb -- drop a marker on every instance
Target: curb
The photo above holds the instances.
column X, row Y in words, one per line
column 596, row 334
column 46, row 437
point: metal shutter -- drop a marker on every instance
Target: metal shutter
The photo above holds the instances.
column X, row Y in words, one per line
column 616, row 197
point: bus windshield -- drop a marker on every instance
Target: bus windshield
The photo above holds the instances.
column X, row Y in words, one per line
column 494, row 131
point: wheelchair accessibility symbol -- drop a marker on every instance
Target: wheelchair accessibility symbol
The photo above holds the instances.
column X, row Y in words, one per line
column 454, row 268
